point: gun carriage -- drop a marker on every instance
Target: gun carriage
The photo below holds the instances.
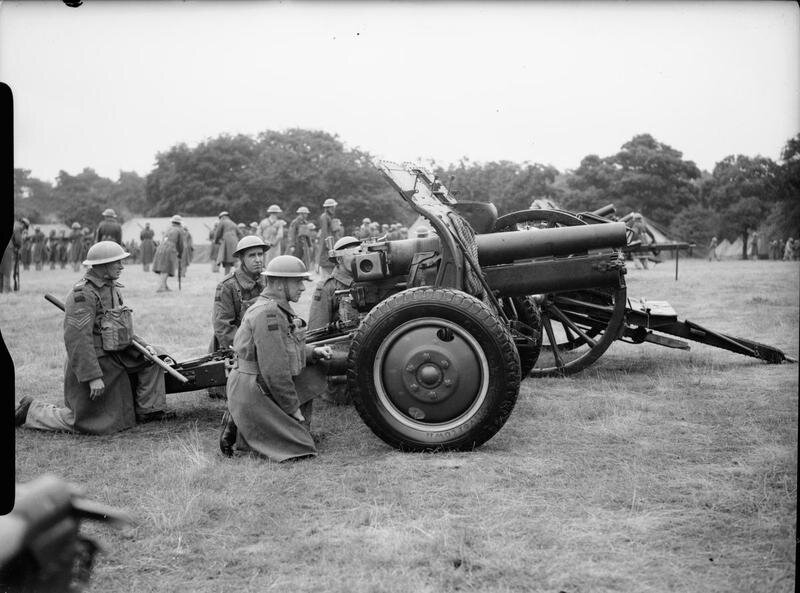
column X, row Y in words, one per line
column 450, row 324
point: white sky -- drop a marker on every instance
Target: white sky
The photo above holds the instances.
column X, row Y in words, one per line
column 110, row 84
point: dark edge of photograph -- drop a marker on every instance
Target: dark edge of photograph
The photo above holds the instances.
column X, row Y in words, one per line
column 7, row 444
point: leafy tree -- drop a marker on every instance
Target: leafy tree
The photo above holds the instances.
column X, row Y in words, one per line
column 786, row 215
column 742, row 192
column 82, row 197
column 127, row 195
column 645, row 175
column 33, row 198
column 695, row 224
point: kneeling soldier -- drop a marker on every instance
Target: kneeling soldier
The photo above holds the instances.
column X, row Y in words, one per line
column 267, row 413
column 98, row 390
column 235, row 293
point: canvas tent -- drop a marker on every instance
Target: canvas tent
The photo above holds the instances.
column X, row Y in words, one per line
column 199, row 227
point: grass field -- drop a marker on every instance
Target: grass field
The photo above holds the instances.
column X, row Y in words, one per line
column 654, row 470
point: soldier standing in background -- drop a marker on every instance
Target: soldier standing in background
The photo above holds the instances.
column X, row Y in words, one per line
column 328, row 307
column 226, row 236
column 63, row 249
column 25, row 252
column 362, row 232
column 712, row 249
column 234, row 295
column 11, row 255
column 97, row 388
column 214, row 248
column 270, row 230
column 326, row 229
column 109, row 229
column 267, row 412
column 188, row 251
column 75, row 246
column 299, row 243
column 148, row 246
column 38, row 249
column 51, row 249
column 168, row 253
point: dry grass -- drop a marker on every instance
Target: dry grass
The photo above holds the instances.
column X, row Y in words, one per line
column 654, row 470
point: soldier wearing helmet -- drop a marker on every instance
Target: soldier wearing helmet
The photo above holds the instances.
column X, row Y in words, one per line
column 75, row 255
column 98, row 393
column 268, row 412
column 148, row 246
column 235, row 293
column 328, row 227
column 227, row 237
column 169, row 252
column 109, row 229
column 329, row 307
column 299, row 236
column 271, row 230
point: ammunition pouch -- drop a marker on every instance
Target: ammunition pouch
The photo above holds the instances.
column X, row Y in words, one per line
column 116, row 328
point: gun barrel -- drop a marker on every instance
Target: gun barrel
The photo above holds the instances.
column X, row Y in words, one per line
column 507, row 247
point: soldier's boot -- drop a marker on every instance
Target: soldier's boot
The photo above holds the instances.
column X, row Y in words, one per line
column 21, row 411
column 227, row 435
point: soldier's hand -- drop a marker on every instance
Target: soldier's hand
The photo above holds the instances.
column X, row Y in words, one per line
column 96, row 388
column 298, row 415
column 323, row 353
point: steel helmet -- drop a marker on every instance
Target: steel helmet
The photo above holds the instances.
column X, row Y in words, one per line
column 109, row 212
column 312, row 226
column 223, row 213
column 365, row 221
column 329, row 203
column 253, row 225
column 343, row 243
column 249, row 242
column 303, row 210
column 346, row 242
column 76, row 225
column 274, row 209
column 241, row 225
column 104, row 252
column 287, row 266
column 176, row 219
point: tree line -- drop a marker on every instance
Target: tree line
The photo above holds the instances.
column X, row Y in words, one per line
column 245, row 174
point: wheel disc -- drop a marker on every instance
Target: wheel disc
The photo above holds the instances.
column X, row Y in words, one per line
column 430, row 373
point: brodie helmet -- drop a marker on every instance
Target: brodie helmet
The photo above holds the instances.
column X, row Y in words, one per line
column 303, row 210
column 329, row 203
column 104, row 252
column 109, row 212
column 274, row 209
column 287, row 266
column 249, row 242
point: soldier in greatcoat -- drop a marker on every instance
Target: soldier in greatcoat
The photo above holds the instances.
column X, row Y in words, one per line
column 63, row 249
column 38, row 249
column 188, row 251
column 226, row 236
column 109, row 229
column 75, row 246
column 11, row 255
column 168, row 253
column 268, row 412
column 98, row 393
column 271, row 230
column 148, row 246
column 328, row 307
column 326, row 229
column 51, row 249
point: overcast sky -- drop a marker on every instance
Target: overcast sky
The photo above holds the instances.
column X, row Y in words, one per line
column 110, row 84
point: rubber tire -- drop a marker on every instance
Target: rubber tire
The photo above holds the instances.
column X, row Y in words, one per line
column 470, row 315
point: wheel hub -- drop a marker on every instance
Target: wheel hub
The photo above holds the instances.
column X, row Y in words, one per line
column 430, row 375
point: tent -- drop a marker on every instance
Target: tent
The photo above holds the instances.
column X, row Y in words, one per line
column 199, row 228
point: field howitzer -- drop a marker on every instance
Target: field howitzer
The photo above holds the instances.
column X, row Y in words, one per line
column 41, row 548
column 579, row 326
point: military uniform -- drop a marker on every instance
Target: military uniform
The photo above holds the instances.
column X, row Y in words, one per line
column 327, row 307
column 116, row 409
column 262, row 392
column 168, row 252
column 75, row 249
column 234, row 294
column 271, row 232
column 227, row 236
column 148, row 247
column 109, row 230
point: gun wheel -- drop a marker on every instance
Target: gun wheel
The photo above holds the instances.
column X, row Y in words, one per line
column 579, row 326
column 433, row 369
